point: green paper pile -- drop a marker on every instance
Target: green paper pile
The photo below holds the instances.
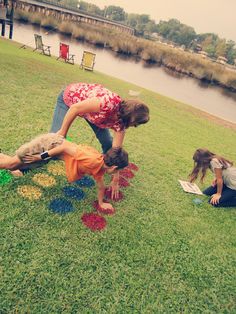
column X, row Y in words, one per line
column 5, row 177
column 68, row 138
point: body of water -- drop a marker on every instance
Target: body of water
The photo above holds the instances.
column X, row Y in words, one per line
column 212, row 99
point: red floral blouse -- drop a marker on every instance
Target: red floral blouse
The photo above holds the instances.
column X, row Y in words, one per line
column 109, row 104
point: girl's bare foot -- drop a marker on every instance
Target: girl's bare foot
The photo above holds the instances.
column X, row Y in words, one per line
column 17, row 173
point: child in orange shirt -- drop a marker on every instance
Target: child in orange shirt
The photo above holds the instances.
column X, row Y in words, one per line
column 79, row 160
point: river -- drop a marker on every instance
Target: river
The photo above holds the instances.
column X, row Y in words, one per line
column 212, row 99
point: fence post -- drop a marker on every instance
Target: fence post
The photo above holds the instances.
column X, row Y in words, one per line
column 3, row 28
column 11, row 30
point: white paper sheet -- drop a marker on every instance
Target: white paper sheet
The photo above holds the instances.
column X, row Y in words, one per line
column 190, row 187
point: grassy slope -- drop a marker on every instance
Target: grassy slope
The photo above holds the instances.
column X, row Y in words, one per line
column 160, row 253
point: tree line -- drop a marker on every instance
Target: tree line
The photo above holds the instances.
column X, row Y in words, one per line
column 171, row 31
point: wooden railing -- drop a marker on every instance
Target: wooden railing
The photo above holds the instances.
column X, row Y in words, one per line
column 73, row 10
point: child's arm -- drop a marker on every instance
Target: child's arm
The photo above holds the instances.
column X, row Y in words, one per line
column 101, row 191
column 115, row 186
column 118, row 140
column 219, row 182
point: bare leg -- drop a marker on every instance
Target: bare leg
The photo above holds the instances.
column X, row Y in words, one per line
column 14, row 164
column 10, row 162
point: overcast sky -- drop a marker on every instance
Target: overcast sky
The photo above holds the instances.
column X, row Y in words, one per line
column 213, row 16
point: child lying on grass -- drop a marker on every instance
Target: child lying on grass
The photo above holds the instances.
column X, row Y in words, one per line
column 79, row 160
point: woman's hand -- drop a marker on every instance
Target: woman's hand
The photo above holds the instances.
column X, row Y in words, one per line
column 60, row 132
column 106, row 206
column 28, row 158
column 215, row 199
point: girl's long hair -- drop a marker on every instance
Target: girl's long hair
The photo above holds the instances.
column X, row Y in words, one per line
column 133, row 111
column 202, row 158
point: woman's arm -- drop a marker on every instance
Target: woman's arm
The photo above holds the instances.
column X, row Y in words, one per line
column 85, row 106
column 118, row 139
column 219, row 183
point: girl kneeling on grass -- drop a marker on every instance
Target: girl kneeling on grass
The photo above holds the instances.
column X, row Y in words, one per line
column 223, row 188
column 79, row 160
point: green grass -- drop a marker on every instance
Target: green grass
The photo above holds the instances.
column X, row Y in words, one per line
column 160, row 253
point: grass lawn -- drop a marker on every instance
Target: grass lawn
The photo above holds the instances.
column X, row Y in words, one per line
column 160, row 253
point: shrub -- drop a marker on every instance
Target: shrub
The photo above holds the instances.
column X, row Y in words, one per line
column 78, row 33
column 49, row 22
column 22, row 16
column 35, row 18
column 66, row 28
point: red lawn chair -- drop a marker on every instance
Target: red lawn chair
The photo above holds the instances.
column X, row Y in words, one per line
column 64, row 54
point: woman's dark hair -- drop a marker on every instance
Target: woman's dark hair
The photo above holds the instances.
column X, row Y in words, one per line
column 116, row 157
column 134, row 112
column 202, row 158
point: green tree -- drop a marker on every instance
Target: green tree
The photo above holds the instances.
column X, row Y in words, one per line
column 230, row 51
column 132, row 20
column 221, row 47
column 187, row 34
column 208, row 43
column 69, row 3
column 177, row 32
column 211, row 50
column 114, row 13
column 89, row 7
column 151, row 27
column 141, row 22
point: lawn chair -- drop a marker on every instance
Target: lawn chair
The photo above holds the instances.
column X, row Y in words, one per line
column 64, row 54
column 40, row 46
column 88, row 60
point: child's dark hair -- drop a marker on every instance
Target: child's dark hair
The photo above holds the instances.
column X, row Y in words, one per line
column 202, row 158
column 116, row 157
column 133, row 111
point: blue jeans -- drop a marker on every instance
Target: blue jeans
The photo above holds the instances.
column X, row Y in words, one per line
column 103, row 135
column 228, row 196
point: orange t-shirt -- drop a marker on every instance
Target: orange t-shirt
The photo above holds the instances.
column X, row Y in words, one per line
column 87, row 160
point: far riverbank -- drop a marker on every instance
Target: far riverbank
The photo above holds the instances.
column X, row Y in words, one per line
column 214, row 100
column 179, row 61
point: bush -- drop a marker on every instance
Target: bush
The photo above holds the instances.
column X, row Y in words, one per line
column 22, row 16
column 78, row 33
column 66, row 28
column 35, row 18
column 49, row 23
